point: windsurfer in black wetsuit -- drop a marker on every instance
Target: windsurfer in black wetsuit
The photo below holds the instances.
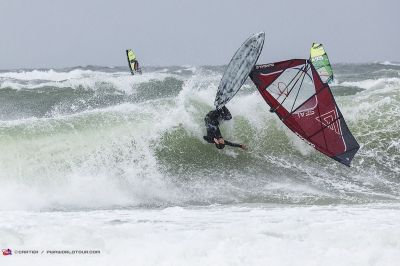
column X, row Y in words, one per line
column 137, row 68
column 212, row 121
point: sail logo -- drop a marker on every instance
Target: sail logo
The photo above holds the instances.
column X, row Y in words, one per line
column 330, row 120
column 317, row 58
column 305, row 113
column 6, row 252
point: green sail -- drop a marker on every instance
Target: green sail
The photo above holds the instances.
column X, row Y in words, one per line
column 320, row 60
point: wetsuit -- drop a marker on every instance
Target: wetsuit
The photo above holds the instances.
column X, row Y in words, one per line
column 212, row 121
column 137, row 68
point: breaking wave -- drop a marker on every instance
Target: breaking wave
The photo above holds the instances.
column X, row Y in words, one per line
column 95, row 138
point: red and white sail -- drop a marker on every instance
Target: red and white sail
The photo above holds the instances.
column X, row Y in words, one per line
column 295, row 92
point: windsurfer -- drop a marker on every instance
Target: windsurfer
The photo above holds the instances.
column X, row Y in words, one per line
column 212, row 121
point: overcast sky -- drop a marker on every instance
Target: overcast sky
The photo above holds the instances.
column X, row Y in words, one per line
column 61, row 33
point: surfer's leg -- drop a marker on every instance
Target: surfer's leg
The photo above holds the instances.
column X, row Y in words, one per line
column 225, row 114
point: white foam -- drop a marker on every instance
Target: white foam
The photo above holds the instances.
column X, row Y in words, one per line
column 372, row 83
column 252, row 235
column 388, row 63
column 50, row 75
column 87, row 79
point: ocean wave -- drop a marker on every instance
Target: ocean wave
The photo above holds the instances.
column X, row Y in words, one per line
column 77, row 79
column 48, row 75
column 368, row 84
column 388, row 63
column 151, row 152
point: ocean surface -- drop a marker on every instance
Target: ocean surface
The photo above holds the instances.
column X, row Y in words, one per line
column 93, row 158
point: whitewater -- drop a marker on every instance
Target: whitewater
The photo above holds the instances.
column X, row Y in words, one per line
column 95, row 158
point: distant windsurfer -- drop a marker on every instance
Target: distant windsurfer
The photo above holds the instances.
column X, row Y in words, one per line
column 212, row 121
column 133, row 62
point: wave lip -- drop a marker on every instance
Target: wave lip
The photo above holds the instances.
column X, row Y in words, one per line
column 389, row 63
column 48, row 75
column 367, row 84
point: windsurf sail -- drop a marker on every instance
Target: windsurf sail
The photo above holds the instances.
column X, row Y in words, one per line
column 305, row 104
column 320, row 60
column 239, row 68
column 133, row 62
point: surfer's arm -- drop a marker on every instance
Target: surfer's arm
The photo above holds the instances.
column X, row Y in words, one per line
column 227, row 142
